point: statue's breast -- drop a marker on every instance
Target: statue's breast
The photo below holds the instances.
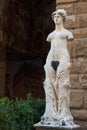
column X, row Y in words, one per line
column 63, row 37
column 60, row 36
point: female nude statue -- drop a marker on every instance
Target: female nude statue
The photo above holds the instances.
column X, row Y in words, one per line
column 57, row 68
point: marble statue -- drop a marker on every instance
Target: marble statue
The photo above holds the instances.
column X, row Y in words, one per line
column 57, row 74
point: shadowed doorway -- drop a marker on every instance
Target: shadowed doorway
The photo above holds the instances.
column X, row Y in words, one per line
column 27, row 24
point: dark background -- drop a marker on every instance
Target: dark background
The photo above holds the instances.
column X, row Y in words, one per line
column 26, row 26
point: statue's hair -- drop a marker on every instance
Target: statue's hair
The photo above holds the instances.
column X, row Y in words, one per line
column 61, row 12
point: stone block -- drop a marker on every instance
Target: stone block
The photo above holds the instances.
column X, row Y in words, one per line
column 80, row 114
column 81, row 21
column 85, row 99
column 80, row 7
column 82, row 0
column 71, row 22
column 83, row 124
column 68, row 8
column 83, row 81
column 80, row 47
column 65, row 1
column 80, row 33
column 77, row 21
column 74, row 78
column 76, row 67
column 76, row 98
column 84, row 66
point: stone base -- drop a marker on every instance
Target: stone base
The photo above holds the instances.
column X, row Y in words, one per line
column 40, row 126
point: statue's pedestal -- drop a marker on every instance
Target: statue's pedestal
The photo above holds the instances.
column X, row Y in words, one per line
column 53, row 127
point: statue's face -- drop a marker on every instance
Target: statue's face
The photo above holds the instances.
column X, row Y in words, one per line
column 58, row 19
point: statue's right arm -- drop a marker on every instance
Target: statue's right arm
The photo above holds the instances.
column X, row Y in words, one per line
column 49, row 37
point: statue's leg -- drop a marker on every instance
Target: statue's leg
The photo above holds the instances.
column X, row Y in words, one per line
column 64, row 93
column 49, row 93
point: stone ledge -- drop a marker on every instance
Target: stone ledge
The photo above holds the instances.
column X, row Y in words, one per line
column 53, row 127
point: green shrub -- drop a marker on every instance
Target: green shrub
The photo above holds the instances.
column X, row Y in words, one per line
column 7, row 120
column 25, row 113
column 39, row 107
column 4, row 100
column 20, row 114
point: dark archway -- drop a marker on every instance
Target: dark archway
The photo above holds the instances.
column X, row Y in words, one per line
column 27, row 24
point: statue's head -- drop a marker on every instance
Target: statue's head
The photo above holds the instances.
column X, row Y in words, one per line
column 59, row 13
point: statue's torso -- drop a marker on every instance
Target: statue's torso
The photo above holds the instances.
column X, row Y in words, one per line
column 59, row 41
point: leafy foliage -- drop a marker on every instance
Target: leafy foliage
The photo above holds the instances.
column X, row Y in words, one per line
column 20, row 114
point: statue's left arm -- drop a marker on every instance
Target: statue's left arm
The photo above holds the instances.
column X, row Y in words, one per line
column 70, row 36
column 70, row 41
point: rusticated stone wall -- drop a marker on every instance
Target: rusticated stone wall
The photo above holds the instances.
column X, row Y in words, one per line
column 77, row 9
